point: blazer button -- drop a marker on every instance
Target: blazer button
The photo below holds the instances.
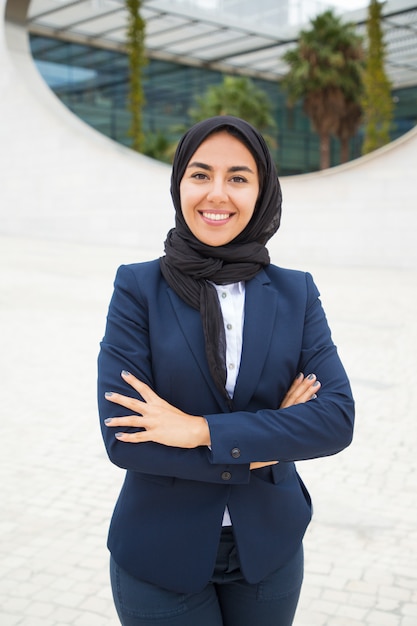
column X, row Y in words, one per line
column 235, row 453
column 226, row 475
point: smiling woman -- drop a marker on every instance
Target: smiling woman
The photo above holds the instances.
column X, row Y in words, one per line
column 219, row 189
column 217, row 371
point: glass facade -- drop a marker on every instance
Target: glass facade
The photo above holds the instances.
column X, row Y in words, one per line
column 93, row 84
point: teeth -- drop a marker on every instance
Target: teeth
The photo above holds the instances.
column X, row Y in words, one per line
column 216, row 216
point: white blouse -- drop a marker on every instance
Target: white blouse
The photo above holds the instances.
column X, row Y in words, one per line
column 232, row 304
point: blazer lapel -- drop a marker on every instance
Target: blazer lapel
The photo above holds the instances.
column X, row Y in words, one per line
column 261, row 304
column 189, row 321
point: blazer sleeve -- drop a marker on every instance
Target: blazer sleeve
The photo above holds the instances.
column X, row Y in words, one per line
column 317, row 428
column 126, row 346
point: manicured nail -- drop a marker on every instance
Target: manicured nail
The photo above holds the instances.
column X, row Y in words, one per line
column 107, row 420
column 126, row 373
column 299, row 375
column 310, row 377
column 316, row 384
column 108, row 394
column 118, row 435
column 314, row 396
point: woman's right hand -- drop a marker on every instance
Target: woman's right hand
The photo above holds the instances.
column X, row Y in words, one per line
column 303, row 389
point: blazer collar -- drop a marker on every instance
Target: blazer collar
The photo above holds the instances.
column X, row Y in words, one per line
column 261, row 303
column 189, row 321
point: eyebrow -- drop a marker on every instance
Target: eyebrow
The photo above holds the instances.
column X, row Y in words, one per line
column 234, row 168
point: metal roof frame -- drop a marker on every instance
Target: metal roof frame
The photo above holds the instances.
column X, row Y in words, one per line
column 179, row 32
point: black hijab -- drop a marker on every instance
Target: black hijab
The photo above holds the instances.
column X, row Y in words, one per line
column 189, row 264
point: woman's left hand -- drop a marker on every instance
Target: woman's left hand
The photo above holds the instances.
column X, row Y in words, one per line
column 163, row 423
column 303, row 389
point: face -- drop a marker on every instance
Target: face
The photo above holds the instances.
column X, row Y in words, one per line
column 219, row 189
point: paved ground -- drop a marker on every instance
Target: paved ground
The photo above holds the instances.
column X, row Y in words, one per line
column 58, row 488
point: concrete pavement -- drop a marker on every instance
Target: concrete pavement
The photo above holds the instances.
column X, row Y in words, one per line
column 58, row 488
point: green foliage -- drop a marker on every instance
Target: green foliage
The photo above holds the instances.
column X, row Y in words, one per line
column 377, row 100
column 136, row 54
column 240, row 97
column 326, row 56
column 157, row 146
column 325, row 72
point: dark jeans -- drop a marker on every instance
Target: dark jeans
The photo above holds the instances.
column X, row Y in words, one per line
column 228, row 600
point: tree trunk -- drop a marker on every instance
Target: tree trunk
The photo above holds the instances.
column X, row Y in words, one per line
column 344, row 150
column 324, row 151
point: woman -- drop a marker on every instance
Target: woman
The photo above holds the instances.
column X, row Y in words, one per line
column 203, row 402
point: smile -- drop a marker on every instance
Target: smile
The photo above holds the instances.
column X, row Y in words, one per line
column 216, row 217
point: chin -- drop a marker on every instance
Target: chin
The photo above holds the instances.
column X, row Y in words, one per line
column 215, row 243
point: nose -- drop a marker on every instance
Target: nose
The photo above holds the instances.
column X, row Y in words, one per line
column 217, row 192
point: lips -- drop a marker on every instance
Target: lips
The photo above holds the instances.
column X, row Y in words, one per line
column 215, row 217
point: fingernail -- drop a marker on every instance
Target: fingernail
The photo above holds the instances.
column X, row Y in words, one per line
column 314, row 396
column 107, row 420
column 126, row 373
column 316, row 384
column 118, row 435
column 299, row 375
column 108, row 394
column 310, row 377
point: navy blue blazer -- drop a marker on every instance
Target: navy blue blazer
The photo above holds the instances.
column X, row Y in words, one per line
column 167, row 521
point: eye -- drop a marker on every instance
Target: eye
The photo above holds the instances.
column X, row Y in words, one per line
column 199, row 176
column 239, row 179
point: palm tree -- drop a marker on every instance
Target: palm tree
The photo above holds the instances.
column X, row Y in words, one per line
column 348, row 126
column 325, row 73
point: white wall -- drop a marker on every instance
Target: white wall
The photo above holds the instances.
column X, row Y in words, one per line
column 362, row 213
column 62, row 179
